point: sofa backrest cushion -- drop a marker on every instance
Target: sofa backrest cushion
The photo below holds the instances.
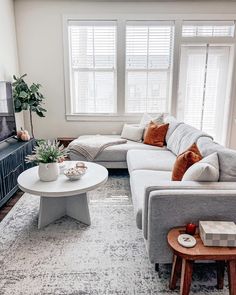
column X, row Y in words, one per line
column 227, row 158
column 183, row 137
column 173, row 124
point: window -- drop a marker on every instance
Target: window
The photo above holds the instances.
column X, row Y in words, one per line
column 180, row 66
column 203, row 87
column 208, row 29
column 92, row 50
column 149, row 50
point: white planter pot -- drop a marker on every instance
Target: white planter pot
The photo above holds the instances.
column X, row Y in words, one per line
column 48, row 172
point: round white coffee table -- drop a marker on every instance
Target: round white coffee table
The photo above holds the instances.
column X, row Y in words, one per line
column 63, row 196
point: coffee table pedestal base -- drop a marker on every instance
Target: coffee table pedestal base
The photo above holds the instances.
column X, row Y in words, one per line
column 53, row 208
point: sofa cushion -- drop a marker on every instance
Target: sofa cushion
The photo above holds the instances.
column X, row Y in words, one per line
column 184, row 161
column 227, row 158
column 173, row 124
column 161, row 160
column 132, row 132
column 205, row 170
column 155, row 134
column 183, row 137
column 139, row 181
column 116, row 153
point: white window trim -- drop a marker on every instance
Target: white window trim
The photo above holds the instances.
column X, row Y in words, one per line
column 121, row 19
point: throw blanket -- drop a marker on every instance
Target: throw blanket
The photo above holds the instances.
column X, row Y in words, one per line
column 91, row 147
column 183, row 137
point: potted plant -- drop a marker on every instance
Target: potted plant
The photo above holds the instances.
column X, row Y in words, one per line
column 28, row 98
column 47, row 154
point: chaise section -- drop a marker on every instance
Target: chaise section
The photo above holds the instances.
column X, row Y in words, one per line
column 139, row 181
column 114, row 156
column 161, row 160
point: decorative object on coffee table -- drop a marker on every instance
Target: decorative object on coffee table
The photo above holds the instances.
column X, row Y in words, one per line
column 76, row 172
column 184, row 258
column 218, row 233
column 63, row 197
column 47, row 154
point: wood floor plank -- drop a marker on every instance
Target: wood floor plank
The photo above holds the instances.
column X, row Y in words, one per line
column 10, row 204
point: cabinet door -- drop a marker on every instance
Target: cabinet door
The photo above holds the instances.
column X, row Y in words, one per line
column 10, row 181
column 1, row 182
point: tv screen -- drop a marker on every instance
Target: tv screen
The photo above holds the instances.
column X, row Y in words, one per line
column 7, row 115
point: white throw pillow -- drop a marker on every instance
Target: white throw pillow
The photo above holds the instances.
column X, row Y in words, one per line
column 146, row 119
column 205, row 170
column 132, row 132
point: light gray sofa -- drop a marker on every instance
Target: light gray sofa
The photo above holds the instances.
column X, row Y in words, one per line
column 161, row 204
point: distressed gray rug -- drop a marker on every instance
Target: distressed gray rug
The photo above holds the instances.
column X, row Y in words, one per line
column 67, row 257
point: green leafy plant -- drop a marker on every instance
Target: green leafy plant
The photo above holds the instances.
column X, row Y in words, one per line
column 47, row 152
column 28, row 98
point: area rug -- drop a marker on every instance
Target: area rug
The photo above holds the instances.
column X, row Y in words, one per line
column 67, row 257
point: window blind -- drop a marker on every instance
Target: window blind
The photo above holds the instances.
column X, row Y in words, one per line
column 204, row 72
column 92, row 46
column 208, row 29
column 149, row 50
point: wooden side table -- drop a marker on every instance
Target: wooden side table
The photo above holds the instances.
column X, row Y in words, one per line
column 184, row 258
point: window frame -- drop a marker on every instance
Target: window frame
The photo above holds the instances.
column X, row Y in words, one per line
column 121, row 19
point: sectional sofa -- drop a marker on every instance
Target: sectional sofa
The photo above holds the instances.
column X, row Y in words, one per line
column 161, row 204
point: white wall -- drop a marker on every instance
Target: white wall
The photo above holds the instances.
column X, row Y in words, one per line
column 40, row 43
column 8, row 47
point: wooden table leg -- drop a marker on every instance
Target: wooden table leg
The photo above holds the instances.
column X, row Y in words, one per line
column 220, row 267
column 232, row 276
column 176, row 270
column 186, row 276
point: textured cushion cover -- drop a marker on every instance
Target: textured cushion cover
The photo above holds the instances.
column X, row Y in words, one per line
column 205, row 170
column 159, row 160
column 184, row 161
column 155, row 134
column 132, row 132
column 139, row 181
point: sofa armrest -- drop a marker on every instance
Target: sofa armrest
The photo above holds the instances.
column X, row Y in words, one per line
column 168, row 208
column 183, row 188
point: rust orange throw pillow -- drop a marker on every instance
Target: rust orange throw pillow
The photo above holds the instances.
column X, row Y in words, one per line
column 184, row 161
column 155, row 134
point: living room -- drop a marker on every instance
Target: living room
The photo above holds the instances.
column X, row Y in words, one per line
column 117, row 147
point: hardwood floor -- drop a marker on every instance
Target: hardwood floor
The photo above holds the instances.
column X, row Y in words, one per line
column 9, row 204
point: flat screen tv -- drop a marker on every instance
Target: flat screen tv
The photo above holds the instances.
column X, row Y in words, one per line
column 7, row 114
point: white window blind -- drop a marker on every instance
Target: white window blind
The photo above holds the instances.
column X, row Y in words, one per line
column 149, row 50
column 203, row 87
column 92, row 46
column 208, row 29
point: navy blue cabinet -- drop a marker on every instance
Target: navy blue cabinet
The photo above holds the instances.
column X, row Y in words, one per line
column 12, row 163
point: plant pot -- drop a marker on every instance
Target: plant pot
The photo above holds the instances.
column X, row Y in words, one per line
column 48, row 172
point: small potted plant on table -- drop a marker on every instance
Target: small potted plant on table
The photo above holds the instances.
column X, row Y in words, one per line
column 47, row 154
